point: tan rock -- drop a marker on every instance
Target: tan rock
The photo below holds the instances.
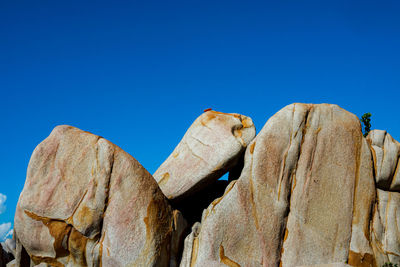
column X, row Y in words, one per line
column 12, row 263
column 293, row 203
column 361, row 253
column 87, row 202
column 385, row 228
column 386, row 152
column 209, row 148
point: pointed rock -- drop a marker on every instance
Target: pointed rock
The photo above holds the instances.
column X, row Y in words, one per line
column 209, row 148
column 86, row 202
column 293, row 203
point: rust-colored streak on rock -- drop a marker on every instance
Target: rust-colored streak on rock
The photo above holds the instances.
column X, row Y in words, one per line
column 207, row 109
column 359, row 260
column 229, row 188
column 282, row 249
column 50, row 261
column 252, row 147
column 225, row 260
column 253, row 204
column 194, row 251
column 158, row 220
column 164, row 179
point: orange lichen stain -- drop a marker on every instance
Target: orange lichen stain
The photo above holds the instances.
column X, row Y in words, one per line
column 86, row 216
column 247, row 122
column 207, row 109
column 164, row 179
column 212, row 114
column 225, row 260
column 318, row 130
column 208, row 117
column 175, row 155
column 195, row 249
column 108, row 252
column 252, row 147
column 360, row 260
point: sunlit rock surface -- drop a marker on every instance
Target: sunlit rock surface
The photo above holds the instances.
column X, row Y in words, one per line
column 386, row 152
column 210, row 147
column 87, row 202
column 293, row 204
column 309, row 190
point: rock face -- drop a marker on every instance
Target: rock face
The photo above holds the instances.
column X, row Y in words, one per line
column 386, row 152
column 304, row 196
column 88, row 203
column 385, row 232
column 309, row 190
column 210, row 147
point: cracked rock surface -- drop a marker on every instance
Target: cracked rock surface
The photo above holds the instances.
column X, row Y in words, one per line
column 86, row 202
column 304, row 197
column 210, row 147
column 308, row 190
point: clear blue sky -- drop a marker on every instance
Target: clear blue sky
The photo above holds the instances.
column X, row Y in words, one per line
column 139, row 72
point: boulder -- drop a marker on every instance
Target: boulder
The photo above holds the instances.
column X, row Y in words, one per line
column 385, row 232
column 386, row 153
column 361, row 252
column 86, row 202
column 211, row 146
column 293, row 203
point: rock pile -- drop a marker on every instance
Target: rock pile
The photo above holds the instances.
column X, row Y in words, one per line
column 308, row 190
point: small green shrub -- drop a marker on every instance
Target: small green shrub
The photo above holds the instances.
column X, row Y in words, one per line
column 366, row 121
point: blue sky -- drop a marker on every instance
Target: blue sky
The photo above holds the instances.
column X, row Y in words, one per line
column 138, row 73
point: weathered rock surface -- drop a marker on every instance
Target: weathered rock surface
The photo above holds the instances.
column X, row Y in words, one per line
column 211, row 146
column 295, row 203
column 386, row 152
column 386, row 228
column 88, row 203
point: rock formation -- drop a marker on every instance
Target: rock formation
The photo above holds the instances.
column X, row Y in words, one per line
column 211, row 146
column 386, row 214
column 88, row 203
column 308, row 190
column 305, row 197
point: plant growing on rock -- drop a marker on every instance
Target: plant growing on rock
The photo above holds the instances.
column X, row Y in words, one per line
column 366, row 121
